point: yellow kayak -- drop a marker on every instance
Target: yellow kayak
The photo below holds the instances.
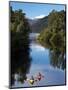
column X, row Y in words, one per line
column 30, row 81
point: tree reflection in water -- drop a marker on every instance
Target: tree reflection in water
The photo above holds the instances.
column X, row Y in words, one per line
column 20, row 57
column 57, row 51
column 57, row 56
column 57, row 59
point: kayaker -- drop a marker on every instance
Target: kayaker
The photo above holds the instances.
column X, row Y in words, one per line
column 40, row 76
column 31, row 81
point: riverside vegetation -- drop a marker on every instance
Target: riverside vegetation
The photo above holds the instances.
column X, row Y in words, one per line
column 52, row 30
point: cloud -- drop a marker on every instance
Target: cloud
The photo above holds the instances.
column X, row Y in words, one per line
column 40, row 16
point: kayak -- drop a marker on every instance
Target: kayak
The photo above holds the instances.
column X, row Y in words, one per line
column 31, row 82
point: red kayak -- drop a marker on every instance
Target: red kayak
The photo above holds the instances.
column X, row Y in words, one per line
column 40, row 76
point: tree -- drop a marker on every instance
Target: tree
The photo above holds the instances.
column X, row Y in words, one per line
column 19, row 30
column 54, row 37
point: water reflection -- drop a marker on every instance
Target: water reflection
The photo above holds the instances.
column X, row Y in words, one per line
column 28, row 62
column 57, row 59
column 20, row 58
column 21, row 68
column 57, row 55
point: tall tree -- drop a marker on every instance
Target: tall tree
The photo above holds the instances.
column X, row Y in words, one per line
column 20, row 59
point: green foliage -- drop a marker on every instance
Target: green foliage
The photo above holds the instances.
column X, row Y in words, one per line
column 54, row 38
column 44, row 38
column 19, row 29
column 57, row 40
column 56, row 21
column 55, row 33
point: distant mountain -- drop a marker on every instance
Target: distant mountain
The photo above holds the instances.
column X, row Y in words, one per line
column 37, row 25
column 32, row 21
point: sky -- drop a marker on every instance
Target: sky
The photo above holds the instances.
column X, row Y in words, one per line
column 36, row 10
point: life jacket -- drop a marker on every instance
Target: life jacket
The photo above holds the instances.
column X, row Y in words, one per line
column 39, row 78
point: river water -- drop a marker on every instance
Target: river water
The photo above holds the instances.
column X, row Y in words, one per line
column 41, row 63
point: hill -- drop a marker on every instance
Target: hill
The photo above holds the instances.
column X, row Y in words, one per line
column 37, row 25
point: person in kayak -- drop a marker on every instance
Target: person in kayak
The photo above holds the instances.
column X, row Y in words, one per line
column 40, row 76
column 31, row 81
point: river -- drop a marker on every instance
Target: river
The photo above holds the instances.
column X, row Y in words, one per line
column 41, row 63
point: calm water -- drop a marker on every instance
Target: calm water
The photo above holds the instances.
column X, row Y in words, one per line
column 41, row 63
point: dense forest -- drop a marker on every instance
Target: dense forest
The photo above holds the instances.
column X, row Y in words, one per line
column 19, row 31
column 56, row 28
column 54, row 37
column 52, row 30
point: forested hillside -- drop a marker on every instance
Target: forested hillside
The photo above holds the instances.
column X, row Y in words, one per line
column 55, row 32
column 19, row 31
column 37, row 25
column 54, row 38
